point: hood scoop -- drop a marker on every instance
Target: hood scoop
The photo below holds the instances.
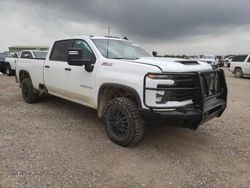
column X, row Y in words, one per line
column 188, row 62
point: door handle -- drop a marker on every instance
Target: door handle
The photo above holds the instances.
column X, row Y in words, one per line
column 68, row 69
column 47, row 66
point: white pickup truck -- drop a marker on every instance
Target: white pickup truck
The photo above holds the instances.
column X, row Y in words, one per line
column 127, row 86
column 10, row 61
column 210, row 59
column 240, row 66
column 10, row 64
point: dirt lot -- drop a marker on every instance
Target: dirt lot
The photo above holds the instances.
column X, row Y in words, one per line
column 55, row 143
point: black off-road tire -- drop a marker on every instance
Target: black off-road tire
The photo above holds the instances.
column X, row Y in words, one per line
column 238, row 73
column 28, row 91
column 124, row 124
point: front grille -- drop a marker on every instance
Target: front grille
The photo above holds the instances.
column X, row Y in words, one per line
column 181, row 95
column 200, row 87
column 184, row 82
column 181, row 80
column 210, row 83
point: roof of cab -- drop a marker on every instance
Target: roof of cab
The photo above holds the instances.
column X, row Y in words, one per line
column 108, row 37
column 94, row 37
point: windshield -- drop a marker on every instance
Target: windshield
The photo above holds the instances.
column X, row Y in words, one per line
column 40, row 54
column 119, row 49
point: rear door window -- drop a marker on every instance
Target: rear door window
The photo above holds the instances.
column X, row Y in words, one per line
column 239, row 58
column 26, row 55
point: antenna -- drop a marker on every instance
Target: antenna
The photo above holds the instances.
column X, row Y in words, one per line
column 108, row 42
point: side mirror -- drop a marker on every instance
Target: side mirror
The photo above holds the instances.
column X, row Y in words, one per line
column 75, row 57
column 154, row 53
column 74, row 53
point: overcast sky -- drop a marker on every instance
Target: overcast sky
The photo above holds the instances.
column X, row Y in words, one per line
column 167, row 26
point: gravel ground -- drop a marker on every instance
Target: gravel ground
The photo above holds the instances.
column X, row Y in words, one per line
column 56, row 143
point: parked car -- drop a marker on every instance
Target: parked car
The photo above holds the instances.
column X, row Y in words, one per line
column 220, row 60
column 210, row 59
column 10, row 61
column 2, row 60
column 125, row 84
column 10, row 64
column 240, row 66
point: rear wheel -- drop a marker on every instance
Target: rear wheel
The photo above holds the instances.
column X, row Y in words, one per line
column 124, row 124
column 8, row 70
column 29, row 95
column 238, row 73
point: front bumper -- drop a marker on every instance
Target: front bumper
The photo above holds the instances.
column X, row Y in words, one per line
column 185, row 118
column 206, row 104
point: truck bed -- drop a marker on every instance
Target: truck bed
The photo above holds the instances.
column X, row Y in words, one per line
column 34, row 67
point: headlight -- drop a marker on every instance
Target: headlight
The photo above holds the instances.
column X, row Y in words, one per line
column 168, row 88
column 159, row 77
column 160, row 81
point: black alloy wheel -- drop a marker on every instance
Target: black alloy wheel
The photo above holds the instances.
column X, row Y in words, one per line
column 124, row 124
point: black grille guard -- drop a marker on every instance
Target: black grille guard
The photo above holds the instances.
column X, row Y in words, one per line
column 209, row 101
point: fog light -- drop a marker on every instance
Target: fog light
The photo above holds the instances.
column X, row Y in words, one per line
column 162, row 97
column 159, row 95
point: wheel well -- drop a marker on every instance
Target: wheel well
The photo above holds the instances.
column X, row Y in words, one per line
column 6, row 64
column 23, row 75
column 237, row 68
column 109, row 92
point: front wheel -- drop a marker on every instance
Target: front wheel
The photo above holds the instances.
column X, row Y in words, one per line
column 238, row 73
column 124, row 124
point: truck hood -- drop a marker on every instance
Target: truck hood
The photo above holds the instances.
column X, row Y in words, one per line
column 174, row 64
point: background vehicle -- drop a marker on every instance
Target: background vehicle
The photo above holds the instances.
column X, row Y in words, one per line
column 126, row 85
column 220, row 60
column 2, row 60
column 10, row 61
column 10, row 64
column 210, row 59
column 228, row 60
column 240, row 66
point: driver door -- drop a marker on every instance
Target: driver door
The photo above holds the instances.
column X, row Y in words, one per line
column 80, row 83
